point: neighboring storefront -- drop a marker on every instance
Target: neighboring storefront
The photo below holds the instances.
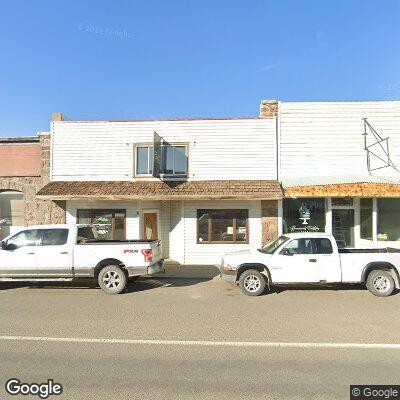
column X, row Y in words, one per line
column 24, row 169
column 353, row 221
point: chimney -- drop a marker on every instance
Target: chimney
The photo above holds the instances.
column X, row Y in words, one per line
column 57, row 116
column 268, row 108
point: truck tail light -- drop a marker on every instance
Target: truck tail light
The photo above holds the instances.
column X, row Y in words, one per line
column 148, row 255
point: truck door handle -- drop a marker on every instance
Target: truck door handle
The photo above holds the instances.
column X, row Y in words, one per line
column 63, row 252
column 30, row 253
column 312, row 260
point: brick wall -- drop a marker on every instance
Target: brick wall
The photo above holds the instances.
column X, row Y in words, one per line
column 37, row 211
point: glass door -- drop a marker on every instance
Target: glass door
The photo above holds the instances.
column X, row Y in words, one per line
column 343, row 226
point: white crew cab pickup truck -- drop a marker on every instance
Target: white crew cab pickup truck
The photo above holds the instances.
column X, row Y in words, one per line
column 302, row 258
column 66, row 252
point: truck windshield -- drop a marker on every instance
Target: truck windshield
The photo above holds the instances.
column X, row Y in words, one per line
column 270, row 247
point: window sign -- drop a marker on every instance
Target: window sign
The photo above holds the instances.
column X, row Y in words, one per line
column 303, row 215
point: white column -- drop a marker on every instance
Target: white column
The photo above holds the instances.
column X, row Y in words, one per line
column 328, row 216
column 357, row 228
column 280, row 217
column 374, row 220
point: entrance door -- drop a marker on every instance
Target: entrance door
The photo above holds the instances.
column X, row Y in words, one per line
column 343, row 227
column 150, row 225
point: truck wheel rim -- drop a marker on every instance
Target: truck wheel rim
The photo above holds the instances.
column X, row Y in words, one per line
column 252, row 283
column 111, row 279
column 381, row 284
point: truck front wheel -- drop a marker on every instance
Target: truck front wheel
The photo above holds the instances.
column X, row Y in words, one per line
column 252, row 282
column 380, row 283
column 112, row 279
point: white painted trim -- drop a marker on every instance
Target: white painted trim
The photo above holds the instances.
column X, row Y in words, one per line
column 328, row 214
column 357, row 227
column 280, row 217
column 375, row 220
column 183, row 219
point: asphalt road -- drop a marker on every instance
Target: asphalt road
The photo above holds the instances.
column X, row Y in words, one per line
column 191, row 312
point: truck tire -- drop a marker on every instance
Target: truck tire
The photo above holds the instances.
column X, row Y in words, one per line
column 112, row 279
column 252, row 282
column 380, row 283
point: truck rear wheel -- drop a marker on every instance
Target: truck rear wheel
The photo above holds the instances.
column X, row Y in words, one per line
column 112, row 279
column 252, row 282
column 380, row 283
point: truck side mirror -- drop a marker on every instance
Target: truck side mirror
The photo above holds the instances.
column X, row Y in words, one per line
column 286, row 252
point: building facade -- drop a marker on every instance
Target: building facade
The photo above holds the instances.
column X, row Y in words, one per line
column 339, row 166
column 206, row 187
column 24, row 170
column 215, row 191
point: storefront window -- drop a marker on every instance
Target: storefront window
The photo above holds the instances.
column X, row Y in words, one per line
column 304, row 215
column 222, row 226
column 109, row 224
column 388, row 220
column 11, row 211
column 366, row 218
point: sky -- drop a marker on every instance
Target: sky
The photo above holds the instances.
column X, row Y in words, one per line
column 149, row 59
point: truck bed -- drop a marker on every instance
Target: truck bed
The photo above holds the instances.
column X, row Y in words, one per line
column 368, row 250
column 98, row 241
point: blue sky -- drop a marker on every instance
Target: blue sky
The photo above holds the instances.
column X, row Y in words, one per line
column 172, row 59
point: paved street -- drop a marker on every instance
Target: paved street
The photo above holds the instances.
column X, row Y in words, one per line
column 189, row 312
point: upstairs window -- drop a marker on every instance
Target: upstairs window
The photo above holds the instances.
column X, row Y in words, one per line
column 174, row 160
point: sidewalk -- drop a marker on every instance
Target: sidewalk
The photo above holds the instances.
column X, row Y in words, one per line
column 188, row 271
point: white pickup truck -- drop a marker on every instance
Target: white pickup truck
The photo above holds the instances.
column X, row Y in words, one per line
column 303, row 258
column 66, row 252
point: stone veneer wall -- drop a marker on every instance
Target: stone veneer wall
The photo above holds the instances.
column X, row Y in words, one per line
column 269, row 220
column 37, row 211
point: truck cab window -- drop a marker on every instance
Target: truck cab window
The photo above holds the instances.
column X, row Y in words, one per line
column 323, row 246
column 54, row 237
column 23, row 239
column 299, row 246
column 86, row 234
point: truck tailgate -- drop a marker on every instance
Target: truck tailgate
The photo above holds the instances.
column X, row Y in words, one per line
column 156, row 251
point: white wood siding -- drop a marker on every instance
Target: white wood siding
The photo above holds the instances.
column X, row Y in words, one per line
column 176, row 236
column 325, row 139
column 212, row 253
column 218, row 149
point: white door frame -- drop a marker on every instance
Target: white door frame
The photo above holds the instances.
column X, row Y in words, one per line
column 356, row 216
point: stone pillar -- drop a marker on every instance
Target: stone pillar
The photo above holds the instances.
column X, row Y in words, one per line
column 268, row 108
column 43, row 211
column 269, row 220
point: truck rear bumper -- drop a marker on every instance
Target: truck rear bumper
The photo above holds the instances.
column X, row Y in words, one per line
column 156, row 268
column 150, row 270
